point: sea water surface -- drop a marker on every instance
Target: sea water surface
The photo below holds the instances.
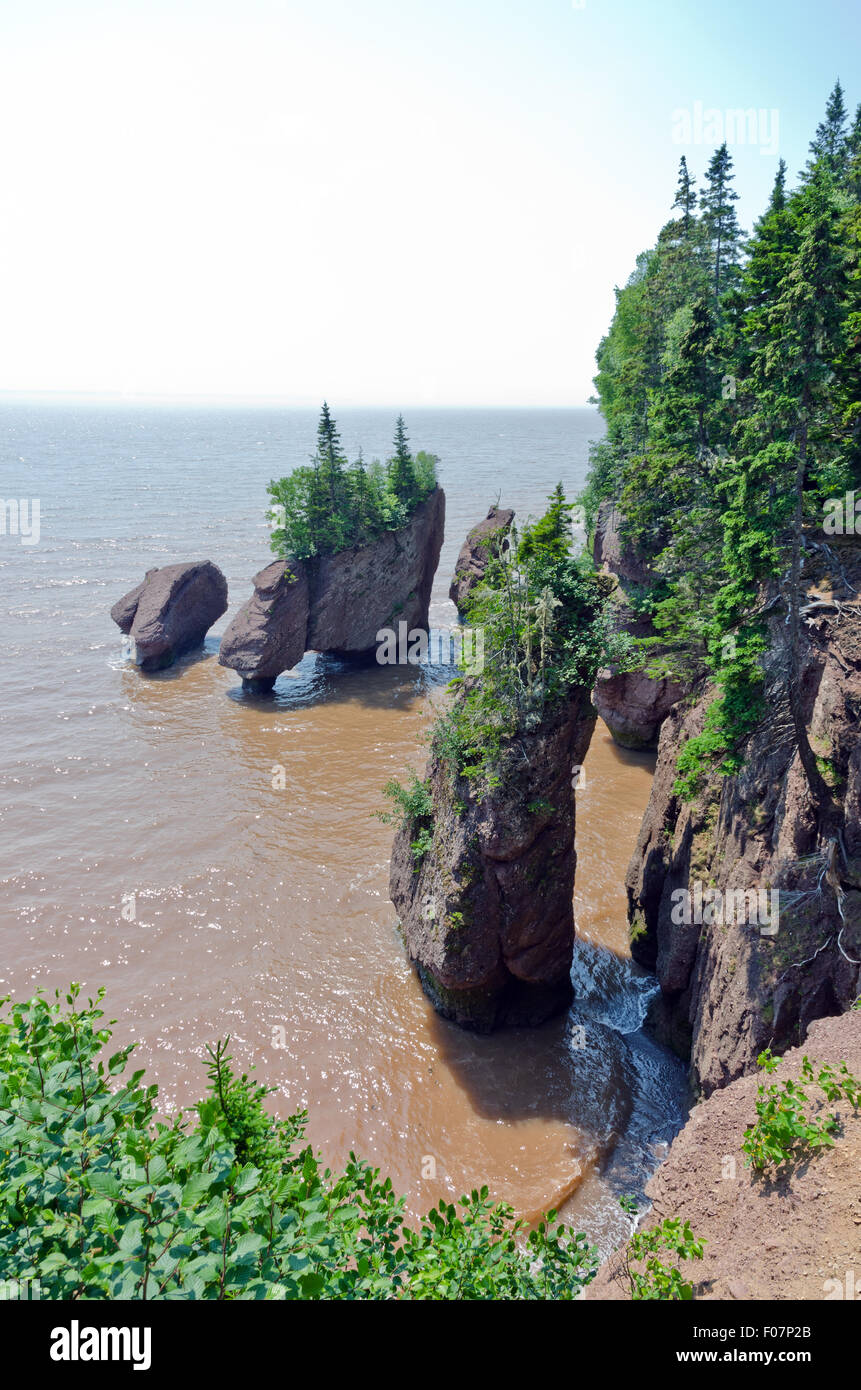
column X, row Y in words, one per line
column 145, row 849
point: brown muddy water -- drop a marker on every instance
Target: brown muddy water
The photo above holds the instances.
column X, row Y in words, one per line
column 144, row 847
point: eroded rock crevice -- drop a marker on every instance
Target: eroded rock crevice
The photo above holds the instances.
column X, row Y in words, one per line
column 730, row 988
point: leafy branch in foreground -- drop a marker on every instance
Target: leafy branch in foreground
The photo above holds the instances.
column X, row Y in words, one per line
column 655, row 1280
column 784, row 1132
column 99, row 1200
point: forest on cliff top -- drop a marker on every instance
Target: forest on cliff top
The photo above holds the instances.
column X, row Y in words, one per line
column 730, row 383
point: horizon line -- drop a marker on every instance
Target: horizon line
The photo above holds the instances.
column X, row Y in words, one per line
column 284, row 402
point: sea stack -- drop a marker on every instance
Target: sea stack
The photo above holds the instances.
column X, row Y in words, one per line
column 483, row 542
column 171, row 611
column 337, row 603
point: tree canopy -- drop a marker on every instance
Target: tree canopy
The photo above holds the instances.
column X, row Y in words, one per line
column 729, row 381
column 330, row 505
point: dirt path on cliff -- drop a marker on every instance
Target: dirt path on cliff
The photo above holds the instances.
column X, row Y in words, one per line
column 764, row 1240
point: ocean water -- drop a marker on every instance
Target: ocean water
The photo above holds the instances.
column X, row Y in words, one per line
column 145, row 849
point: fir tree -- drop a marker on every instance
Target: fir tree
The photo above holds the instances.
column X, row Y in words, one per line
column 402, row 477
column 853, row 158
column 330, row 465
column 685, row 199
column 721, row 226
column 551, row 535
column 829, row 146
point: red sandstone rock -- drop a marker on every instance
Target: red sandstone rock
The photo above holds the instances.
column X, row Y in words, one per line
column 171, row 611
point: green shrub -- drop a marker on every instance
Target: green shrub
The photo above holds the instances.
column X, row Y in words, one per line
column 413, row 807
column 784, row 1132
column 655, row 1280
column 99, row 1200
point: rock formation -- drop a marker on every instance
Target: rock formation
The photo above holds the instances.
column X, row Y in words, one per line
column 482, row 542
column 632, row 704
column 336, row 603
column 487, row 912
column 728, row 990
column 171, row 611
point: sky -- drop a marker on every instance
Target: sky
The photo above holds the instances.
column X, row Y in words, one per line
column 392, row 202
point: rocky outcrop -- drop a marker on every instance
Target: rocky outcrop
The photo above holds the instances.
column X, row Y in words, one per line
column 171, row 611
column 486, row 911
column 267, row 636
column 482, row 542
column 632, row 704
column 612, row 553
column 730, row 988
column 336, row 603
column 791, row 1236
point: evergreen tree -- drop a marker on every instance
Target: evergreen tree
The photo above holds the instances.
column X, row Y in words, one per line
column 789, row 435
column 402, row 477
column 772, row 245
column 330, row 465
column 853, row 158
column 829, row 146
column 722, row 229
column 362, row 499
column 551, row 535
column 329, row 505
column 732, row 415
column 686, row 199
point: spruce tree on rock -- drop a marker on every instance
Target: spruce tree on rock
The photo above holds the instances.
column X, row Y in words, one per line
column 330, row 464
column 402, row 476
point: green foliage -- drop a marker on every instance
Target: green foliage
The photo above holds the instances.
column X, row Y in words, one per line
column 331, row 505
column 654, row 1279
column 546, row 631
column 413, row 806
column 99, row 1200
column 412, row 802
column 728, row 722
column 730, row 384
column 784, row 1132
column 549, row 537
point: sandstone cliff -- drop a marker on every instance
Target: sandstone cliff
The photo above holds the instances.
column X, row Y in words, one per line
column 337, row 603
column 728, row 990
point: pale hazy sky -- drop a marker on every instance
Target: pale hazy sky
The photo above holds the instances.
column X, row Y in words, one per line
column 382, row 202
